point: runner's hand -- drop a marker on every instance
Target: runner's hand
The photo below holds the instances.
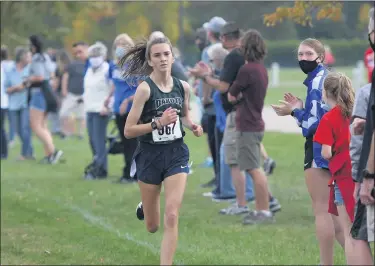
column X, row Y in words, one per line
column 197, row 130
column 169, row 116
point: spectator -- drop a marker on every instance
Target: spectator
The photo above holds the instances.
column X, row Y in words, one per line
column 4, row 109
column 369, row 62
column 38, row 82
column 205, row 92
column 72, row 91
column 96, row 89
column 329, row 59
column 251, row 85
column 224, row 189
column 362, row 98
column 123, row 91
column 7, row 65
column 231, row 36
column 62, row 61
column 362, row 231
column 201, row 39
column 18, row 104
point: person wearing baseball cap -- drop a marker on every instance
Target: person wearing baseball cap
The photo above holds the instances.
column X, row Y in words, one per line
column 215, row 24
column 205, row 93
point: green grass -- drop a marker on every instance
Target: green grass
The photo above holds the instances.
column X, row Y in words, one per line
column 50, row 215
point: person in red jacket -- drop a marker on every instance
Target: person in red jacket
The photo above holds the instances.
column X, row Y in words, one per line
column 333, row 134
column 369, row 62
column 329, row 59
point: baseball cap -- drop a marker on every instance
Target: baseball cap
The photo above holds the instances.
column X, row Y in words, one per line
column 230, row 27
column 215, row 24
column 200, row 34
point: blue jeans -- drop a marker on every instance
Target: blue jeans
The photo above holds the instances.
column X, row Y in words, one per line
column 37, row 100
column 338, row 197
column 226, row 185
column 20, row 123
column 12, row 132
column 97, row 130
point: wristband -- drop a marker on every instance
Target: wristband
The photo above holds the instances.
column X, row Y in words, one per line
column 158, row 120
column 367, row 175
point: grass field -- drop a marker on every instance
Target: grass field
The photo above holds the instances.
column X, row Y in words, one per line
column 50, row 215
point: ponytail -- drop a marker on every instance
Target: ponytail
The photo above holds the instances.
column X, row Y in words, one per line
column 339, row 88
column 345, row 96
column 134, row 62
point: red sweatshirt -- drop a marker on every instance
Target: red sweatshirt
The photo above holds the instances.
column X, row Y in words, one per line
column 333, row 130
column 369, row 62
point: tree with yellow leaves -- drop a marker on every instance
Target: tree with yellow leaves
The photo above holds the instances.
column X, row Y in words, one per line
column 302, row 12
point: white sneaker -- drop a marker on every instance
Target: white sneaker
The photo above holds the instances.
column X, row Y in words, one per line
column 234, row 209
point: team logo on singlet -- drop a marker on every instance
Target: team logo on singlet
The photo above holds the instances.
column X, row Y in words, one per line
column 168, row 101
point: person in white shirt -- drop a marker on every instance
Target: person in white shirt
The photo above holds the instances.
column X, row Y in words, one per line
column 96, row 86
column 4, row 109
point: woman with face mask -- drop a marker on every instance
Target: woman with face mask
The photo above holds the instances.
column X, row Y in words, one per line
column 310, row 58
column 96, row 88
column 122, row 91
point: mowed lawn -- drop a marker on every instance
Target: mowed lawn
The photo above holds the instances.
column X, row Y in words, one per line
column 50, row 215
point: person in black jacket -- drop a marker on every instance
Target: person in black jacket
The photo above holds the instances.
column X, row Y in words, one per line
column 363, row 231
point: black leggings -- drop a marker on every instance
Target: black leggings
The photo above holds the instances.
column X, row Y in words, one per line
column 129, row 145
column 3, row 136
column 209, row 122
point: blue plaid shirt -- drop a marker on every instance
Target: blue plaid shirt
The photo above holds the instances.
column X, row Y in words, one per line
column 308, row 118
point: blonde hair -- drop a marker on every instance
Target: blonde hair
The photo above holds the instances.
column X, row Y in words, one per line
column 316, row 45
column 123, row 39
column 338, row 87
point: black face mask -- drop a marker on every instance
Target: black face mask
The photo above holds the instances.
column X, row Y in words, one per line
column 372, row 45
column 308, row 66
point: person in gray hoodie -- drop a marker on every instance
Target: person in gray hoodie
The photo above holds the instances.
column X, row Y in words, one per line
column 358, row 118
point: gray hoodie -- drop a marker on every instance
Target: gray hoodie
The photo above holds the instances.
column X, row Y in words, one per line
column 359, row 110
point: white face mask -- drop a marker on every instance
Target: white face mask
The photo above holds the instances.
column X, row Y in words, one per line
column 95, row 62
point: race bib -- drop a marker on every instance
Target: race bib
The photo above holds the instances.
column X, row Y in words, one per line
column 167, row 133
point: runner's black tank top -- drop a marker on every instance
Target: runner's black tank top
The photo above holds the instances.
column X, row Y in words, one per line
column 155, row 106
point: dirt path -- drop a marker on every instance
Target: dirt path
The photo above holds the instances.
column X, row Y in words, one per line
column 275, row 123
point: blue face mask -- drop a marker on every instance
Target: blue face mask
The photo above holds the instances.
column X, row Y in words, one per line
column 120, row 52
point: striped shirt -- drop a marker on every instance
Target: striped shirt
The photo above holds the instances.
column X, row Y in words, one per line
column 308, row 118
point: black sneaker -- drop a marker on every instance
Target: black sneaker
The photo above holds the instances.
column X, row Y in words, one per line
column 55, row 157
column 269, row 166
column 274, row 205
column 139, row 212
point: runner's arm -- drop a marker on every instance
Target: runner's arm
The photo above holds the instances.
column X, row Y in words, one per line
column 186, row 119
column 132, row 128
